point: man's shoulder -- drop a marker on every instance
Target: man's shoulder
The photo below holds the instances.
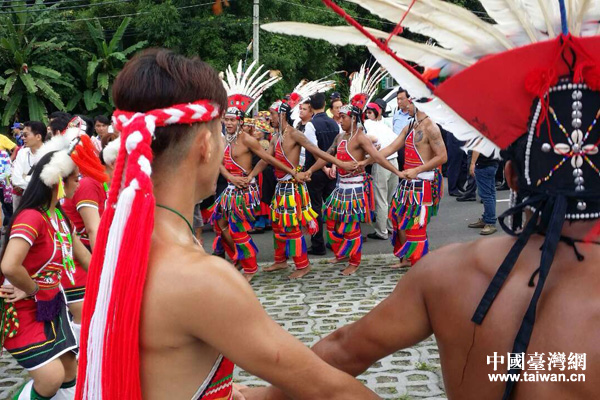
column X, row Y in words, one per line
column 196, row 274
column 459, row 262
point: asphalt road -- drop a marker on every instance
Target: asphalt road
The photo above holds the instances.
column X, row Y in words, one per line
column 449, row 226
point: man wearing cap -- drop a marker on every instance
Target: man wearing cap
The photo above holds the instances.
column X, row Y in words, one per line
column 384, row 181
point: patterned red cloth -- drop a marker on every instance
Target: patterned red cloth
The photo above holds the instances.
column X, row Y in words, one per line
column 280, row 156
column 230, row 163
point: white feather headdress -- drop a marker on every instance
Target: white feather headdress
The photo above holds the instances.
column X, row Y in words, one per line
column 60, row 166
column 364, row 84
column 245, row 88
column 111, row 151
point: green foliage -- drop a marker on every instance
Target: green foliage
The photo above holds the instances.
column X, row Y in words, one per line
column 27, row 84
column 73, row 54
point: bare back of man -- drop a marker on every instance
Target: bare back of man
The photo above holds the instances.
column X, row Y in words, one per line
column 440, row 294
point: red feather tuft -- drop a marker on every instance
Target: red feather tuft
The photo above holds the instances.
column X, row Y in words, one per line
column 359, row 100
column 86, row 159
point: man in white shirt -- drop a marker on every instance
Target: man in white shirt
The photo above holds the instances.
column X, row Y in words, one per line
column 306, row 115
column 384, row 181
column 34, row 134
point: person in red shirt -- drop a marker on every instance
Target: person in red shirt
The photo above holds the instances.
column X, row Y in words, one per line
column 38, row 256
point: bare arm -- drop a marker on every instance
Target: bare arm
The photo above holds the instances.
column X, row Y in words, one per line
column 91, row 221
column 392, row 148
column 386, row 329
column 262, row 347
column 12, row 265
column 376, row 156
column 262, row 164
column 257, row 149
column 321, row 162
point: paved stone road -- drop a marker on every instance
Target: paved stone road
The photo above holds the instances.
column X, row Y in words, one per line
column 313, row 307
column 325, row 300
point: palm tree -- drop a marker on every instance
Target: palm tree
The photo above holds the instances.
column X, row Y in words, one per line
column 102, row 68
column 27, row 86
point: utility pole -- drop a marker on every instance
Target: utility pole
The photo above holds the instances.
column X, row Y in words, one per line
column 255, row 38
column 255, row 30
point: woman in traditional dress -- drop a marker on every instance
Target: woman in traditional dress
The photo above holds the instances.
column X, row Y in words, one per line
column 38, row 253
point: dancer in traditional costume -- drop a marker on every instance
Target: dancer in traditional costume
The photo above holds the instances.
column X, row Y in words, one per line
column 291, row 211
column 530, row 83
column 160, row 312
column 351, row 202
column 84, row 154
column 236, row 209
column 419, row 190
column 39, row 254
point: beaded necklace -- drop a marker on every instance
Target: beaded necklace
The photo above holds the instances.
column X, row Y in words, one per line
column 66, row 250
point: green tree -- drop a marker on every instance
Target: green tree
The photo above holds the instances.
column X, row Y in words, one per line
column 27, row 84
column 101, row 69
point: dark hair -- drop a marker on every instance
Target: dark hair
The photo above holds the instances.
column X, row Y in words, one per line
column 317, row 101
column 103, row 119
column 37, row 128
column 89, row 124
column 59, row 124
column 60, row 114
column 36, row 196
column 402, row 90
column 307, row 101
column 159, row 78
column 333, row 101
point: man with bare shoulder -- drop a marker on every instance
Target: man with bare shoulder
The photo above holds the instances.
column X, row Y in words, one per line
column 419, row 191
column 236, row 209
column 515, row 317
column 291, row 210
column 163, row 318
column 352, row 201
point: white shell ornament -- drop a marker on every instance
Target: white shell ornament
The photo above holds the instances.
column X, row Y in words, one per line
column 576, row 161
column 562, row 149
column 590, row 149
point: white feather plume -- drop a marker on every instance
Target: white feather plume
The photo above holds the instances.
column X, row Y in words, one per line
column 111, row 151
column 452, row 26
column 437, row 110
column 464, row 38
column 422, row 54
column 252, row 82
column 58, row 142
column 366, row 80
column 60, row 166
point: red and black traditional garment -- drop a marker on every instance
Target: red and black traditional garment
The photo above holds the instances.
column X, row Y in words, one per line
column 291, row 213
column 239, row 206
column 38, row 330
column 218, row 385
column 89, row 193
column 350, row 203
column 413, row 205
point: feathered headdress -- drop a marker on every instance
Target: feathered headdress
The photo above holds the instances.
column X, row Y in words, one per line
column 529, row 82
column 245, row 88
column 307, row 88
column 78, row 145
column 364, row 84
